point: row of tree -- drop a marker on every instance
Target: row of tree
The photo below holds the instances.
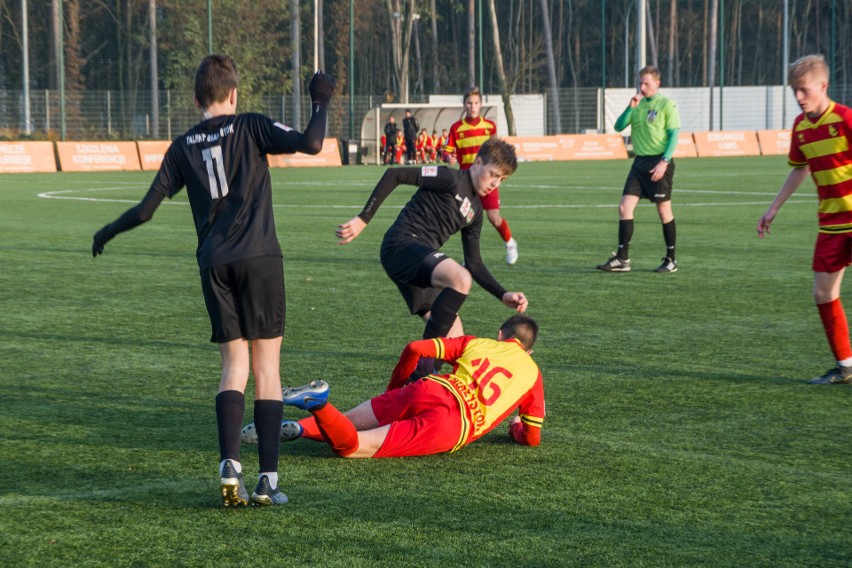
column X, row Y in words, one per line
column 402, row 50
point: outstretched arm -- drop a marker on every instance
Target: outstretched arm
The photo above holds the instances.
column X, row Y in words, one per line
column 131, row 218
column 392, row 178
column 788, row 188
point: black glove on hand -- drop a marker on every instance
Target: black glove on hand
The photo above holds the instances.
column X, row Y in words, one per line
column 100, row 239
column 321, row 87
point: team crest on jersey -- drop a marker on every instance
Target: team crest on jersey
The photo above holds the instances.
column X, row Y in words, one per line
column 429, row 171
column 832, row 130
column 652, row 115
column 466, row 210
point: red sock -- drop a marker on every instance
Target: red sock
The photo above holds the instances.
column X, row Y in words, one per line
column 337, row 430
column 505, row 231
column 836, row 328
column 310, row 430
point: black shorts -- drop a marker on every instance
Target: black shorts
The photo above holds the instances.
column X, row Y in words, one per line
column 639, row 180
column 245, row 299
column 409, row 264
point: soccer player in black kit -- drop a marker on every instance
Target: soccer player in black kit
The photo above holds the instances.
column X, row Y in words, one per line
column 222, row 163
column 446, row 202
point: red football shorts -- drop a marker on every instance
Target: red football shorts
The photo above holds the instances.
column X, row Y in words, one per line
column 491, row 201
column 424, row 419
column 832, row 252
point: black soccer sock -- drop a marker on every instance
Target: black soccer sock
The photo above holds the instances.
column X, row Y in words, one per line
column 267, row 422
column 230, row 409
column 625, row 235
column 443, row 313
column 670, row 236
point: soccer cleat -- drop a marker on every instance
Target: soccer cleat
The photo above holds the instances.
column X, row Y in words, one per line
column 835, row 376
column 233, row 488
column 264, row 494
column 512, row 251
column 615, row 264
column 668, row 265
column 307, row 397
column 290, row 430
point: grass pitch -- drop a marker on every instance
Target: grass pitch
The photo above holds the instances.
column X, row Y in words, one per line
column 680, row 428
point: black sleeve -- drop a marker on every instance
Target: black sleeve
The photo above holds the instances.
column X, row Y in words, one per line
column 473, row 261
column 279, row 139
column 136, row 215
column 393, row 177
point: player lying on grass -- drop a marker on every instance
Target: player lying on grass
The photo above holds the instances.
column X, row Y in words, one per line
column 447, row 201
column 222, row 163
column 437, row 413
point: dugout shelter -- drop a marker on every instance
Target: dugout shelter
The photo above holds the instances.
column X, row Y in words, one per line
column 431, row 116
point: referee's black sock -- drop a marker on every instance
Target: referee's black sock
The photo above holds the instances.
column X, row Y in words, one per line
column 267, row 422
column 230, row 409
column 670, row 236
column 625, row 235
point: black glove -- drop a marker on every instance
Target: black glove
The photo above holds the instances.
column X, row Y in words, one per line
column 321, row 87
column 100, row 239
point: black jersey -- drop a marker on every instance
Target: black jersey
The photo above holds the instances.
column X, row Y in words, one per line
column 222, row 163
column 444, row 204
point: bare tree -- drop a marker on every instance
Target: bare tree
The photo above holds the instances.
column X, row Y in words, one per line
column 471, row 42
column 505, row 89
column 551, row 68
column 296, row 50
column 436, row 69
column 152, row 46
column 401, row 43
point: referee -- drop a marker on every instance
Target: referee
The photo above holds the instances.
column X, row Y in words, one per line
column 655, row 125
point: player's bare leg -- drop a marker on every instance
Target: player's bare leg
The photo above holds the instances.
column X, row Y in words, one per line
column 827, row 297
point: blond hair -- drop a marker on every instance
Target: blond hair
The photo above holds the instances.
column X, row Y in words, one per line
column 813, row 65
column 650, row 70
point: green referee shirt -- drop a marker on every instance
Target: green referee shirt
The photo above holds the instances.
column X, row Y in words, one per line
column 654, row 121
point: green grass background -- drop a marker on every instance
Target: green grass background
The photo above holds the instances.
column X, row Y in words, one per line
column 680, row 428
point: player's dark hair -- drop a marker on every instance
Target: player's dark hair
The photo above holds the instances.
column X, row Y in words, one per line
column 521, row 327
column 650, row 70
column 499, row 153
column 471, row 91
column 215, row 78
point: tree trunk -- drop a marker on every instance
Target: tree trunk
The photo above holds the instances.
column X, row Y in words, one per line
column 152, row 46
column 501, row 71
column 551, row 69
column 436, row 67
column 401, row 44
column 296, row 49
column 673, row 63
column 471, row 42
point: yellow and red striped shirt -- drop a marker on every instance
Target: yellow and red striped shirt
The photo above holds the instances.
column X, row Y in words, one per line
column 489, row 380
column 824, row 146
column 466, row 136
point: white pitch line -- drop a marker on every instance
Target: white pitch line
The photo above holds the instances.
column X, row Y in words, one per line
column 62, row 194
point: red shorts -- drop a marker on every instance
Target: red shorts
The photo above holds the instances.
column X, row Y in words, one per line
column 832, row 252
column 424, row 419
column 492, row 200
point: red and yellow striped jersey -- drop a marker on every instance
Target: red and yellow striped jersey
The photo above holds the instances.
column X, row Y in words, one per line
column 823, row 145
column 466, row 136
column 490, row 379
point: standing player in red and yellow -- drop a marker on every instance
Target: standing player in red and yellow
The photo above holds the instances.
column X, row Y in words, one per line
column 466, row 136
column 438, row 413
column 820, row 147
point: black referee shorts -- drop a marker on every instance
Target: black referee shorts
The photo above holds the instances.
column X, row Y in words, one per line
column 410, row 264
column 245, row 299
column 639, row 180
